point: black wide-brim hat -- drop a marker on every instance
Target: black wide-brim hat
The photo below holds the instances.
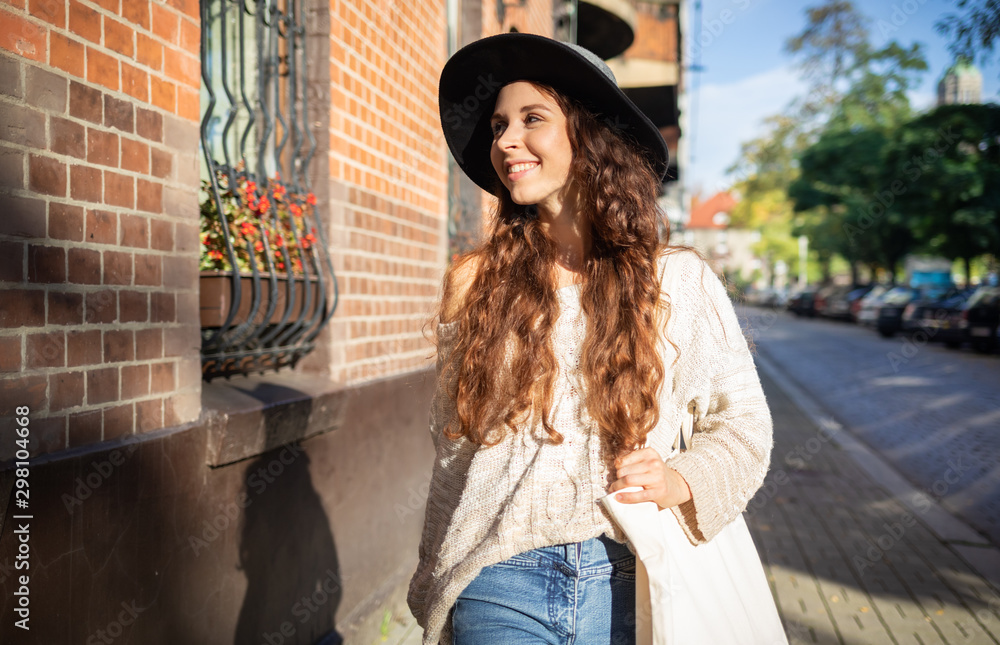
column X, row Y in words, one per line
column 472, row 78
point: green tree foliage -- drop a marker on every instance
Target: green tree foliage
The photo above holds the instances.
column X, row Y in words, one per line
column 840, row 189
column 975, row 31
column 767, row 167
column 827, row 49
column 945, row 175
column 840, row 173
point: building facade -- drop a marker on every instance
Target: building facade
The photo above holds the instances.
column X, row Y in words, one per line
column 168, row 504
column 962, row 83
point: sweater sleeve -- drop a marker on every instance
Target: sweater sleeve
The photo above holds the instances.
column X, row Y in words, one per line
column 448, row 477
column 731, row 446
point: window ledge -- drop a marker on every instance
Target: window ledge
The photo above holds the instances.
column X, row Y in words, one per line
column 247, row 416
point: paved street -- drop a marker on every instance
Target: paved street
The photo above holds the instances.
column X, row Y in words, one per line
column 932, row 412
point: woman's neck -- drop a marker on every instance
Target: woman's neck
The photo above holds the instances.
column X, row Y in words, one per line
column 568, row 230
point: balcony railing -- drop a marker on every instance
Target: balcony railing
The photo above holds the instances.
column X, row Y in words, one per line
column 273, row 287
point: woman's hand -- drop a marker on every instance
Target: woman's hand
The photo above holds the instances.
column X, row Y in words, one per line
column 660, row 484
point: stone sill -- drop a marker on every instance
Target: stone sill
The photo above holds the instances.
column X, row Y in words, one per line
column 249, row 415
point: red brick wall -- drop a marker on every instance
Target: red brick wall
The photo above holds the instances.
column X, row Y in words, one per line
column 388, row 187
column 99, row 172
column 655, row 33
column 98, row 232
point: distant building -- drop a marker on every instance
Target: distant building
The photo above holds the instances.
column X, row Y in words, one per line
column 961, row 83
column 728, row 250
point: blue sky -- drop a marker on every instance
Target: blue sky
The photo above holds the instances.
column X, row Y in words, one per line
column 747, row 76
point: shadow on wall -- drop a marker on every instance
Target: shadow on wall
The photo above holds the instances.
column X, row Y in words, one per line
column 288, row 556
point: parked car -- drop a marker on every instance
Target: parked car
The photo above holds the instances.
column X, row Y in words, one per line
column 947, row 323
column 867, row 306
column 982, row 315
column 925, row 303
column 890, row 312
column 766, row 297
column 801, row 303
column 825, row 295
column 837, row 302
column 853, row 299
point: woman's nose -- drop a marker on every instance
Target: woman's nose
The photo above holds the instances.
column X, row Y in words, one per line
column 510, row 138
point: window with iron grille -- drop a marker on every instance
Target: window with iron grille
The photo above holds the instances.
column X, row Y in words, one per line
column 267, row 284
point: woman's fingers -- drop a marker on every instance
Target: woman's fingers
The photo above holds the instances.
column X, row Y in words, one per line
column 635, row 456
column 644, row 495
column 642, row 478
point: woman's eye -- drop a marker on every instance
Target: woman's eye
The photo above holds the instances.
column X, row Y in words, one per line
column 531, row 118
column 497, row 128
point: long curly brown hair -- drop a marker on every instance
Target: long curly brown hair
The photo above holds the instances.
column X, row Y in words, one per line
column 503, row 359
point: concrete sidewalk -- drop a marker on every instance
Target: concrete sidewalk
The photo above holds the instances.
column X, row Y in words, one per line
column 855, row 555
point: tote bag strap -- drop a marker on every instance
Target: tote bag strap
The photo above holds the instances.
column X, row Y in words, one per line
column 670, row 281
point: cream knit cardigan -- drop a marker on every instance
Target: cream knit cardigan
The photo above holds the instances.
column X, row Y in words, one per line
column 487, row 504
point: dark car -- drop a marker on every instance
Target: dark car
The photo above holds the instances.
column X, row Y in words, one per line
column 940, row 320
column 890, row 313
column 802, row 303
column 982, row 315
column 923, row 306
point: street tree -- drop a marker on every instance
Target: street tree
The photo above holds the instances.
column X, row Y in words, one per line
column 975, row 31
column 946, row 170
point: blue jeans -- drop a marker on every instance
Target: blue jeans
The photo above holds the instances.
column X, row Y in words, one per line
column 582, row 593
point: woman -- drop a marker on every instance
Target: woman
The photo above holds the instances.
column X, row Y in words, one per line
column 559, row 355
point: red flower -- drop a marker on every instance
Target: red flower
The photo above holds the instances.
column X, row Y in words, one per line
column 311, row 199
column 296, row 211
column 279, row 241
column 215, row 255
column 264, row 205
column 258, row 246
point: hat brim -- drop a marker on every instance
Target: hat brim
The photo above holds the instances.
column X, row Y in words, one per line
column 473, row 77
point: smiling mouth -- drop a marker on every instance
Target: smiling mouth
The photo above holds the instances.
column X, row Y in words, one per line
column 518, row 170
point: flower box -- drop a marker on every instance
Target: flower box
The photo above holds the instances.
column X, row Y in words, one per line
column 216, row 296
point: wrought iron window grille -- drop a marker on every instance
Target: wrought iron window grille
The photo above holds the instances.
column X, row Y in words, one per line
column 275, row 289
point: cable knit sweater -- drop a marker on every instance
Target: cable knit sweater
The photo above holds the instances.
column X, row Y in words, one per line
column 487, row 504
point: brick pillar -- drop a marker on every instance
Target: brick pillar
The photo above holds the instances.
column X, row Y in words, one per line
column 99, row 230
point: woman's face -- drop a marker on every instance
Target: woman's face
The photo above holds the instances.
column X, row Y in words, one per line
column 531, row 150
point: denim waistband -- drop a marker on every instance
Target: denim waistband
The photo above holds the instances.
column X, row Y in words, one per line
column 578, row 556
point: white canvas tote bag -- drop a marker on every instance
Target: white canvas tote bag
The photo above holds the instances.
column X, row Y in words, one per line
column 711, row 594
